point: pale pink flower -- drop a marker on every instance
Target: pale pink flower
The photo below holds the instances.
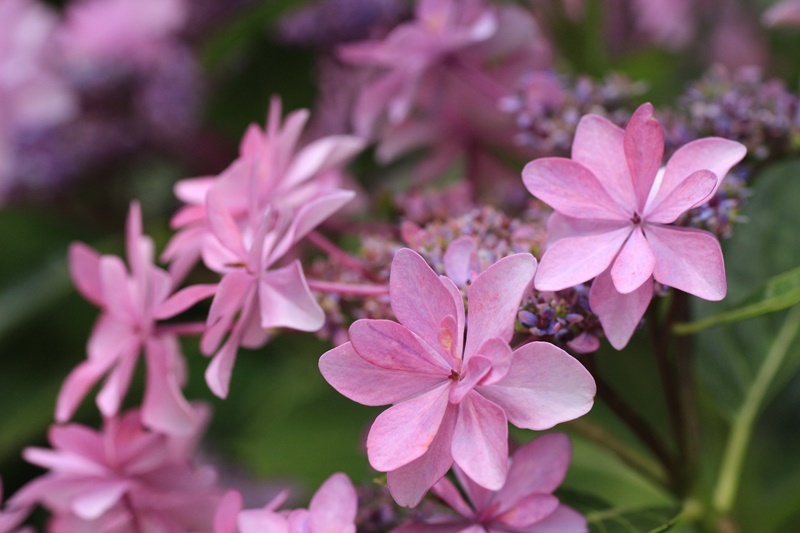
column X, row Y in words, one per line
column 98, row 33
column 613, row 209
column 453, row 398
column 131, row 299
column 122, row 479
column 525, row 504
column 273, row 170
column 332, row 509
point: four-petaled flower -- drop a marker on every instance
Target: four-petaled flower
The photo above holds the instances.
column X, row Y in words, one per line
column 453, row 398
column 613, row 209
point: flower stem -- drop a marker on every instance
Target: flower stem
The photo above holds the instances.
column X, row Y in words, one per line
column 339, row 255
column 742, row 429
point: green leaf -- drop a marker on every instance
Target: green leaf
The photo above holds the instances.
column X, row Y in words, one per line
column 620, row 520
column 777, row 294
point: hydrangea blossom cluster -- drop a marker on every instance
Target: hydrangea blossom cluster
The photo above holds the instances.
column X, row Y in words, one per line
column 456, row 319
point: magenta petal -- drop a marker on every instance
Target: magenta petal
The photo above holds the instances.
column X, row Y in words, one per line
column 355, row 378
column 405, row 431
column 392, row 346
column 77, row 439
column 227, row 512
column 77, row 385
column 84, row 267
column 563, row 520
column 571, row 189
column 634, row 264
column 110, row 397
column 98, row 499
column 544, row 387
column 480, row 441
column 183, row 300
column 599, row 146
column 334, row 506
column 688, row 259
column 447, row 491
column 218, row 373
column 420, row 301
column 494, row 299
column 309, row 216
column 644, row 149
column 575, row 260
column 409, row 483
column 712, row 153
column 321, row 155
column 537, row 467
column 529, row 510
column 286, row 301
column 164, row 408
column 692, row 191
column 619, row 314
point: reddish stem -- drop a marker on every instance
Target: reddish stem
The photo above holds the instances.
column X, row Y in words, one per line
column 350, row 289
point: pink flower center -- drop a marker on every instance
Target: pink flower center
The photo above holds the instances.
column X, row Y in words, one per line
column 636, row 219
column 455, row 376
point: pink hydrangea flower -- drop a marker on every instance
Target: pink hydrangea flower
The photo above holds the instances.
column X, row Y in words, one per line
column 525, row 504
column 453, row 398
column 122, row 479
column 272, row 170
column 131, row 301
column 614, row 206
column 333, row 508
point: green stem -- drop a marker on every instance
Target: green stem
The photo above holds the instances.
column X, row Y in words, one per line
column 730, row 471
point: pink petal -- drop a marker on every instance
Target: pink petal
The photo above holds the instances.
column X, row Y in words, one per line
column 261, row 521
column 480, row 497
column 689, row 193
column 139, row 251
column 65, row 463
column 78, row 384
column 309, row 216
column 447, row 491
column 500, row 355
column 227, row 512
column 219, row 371
column 494, row 299
column 233, row 291
column 785, row 13
column 712, row 153
column 334, row 506
column 421, row 301
column 117, row 288
column 109, row 335
column 688, row 259
column 164, row 408
column 405, row 431
column 619, row 314
column 560, row 226
column 84, row 267
column 480, row 441
column 392, row 346
column 599, row 146
column 472, row 373
column 183, row 300
column 110, row 397
column 529, row 510
column 571, row 189
column 223, row 226
column 77, row 439
column 634, row 264
column 353, row 377
column 286, row 301
column 544, row 387
column 289, row 135
column 644, row 149
column 92, row 503
column 537, row 467
column 251, row 142
column 460, row 260
column 563, row 520
column 584, row 343
column 575, row 260
column 321, row 155
column 409, row 483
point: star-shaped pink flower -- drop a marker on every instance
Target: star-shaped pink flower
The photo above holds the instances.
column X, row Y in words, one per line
column 453, row 398
column 614, row 206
